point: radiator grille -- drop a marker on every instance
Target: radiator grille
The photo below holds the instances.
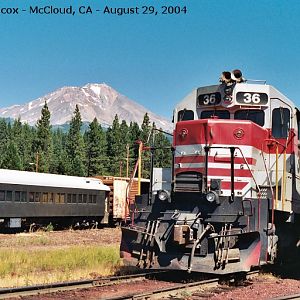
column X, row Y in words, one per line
column 188, row 182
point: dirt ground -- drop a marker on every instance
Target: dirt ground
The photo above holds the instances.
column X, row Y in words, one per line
column 264, row 287
column 104, row 236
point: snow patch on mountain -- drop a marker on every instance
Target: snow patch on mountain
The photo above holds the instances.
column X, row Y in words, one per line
column 94, row 100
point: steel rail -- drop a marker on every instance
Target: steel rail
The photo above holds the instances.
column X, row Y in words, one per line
column 294, row 296
column 71, row 285
column 178, row 288
column 170, row 291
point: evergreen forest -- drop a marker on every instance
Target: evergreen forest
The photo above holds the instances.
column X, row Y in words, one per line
column 96, row 151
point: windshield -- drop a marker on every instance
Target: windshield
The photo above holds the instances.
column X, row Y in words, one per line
column 255, row 115
column 185, row 115
column 221, row 114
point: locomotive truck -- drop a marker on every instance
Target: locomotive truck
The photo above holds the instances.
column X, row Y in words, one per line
column 234, row 201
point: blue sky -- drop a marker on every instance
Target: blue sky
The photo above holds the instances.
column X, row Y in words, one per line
column 154, row 60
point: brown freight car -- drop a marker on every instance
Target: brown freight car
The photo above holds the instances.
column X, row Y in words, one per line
column 116, row 206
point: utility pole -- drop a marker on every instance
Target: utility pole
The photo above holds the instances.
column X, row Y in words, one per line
column 140, row 167
column 127, row 160
column 121, row 163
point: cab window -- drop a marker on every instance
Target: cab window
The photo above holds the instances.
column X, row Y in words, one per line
column 280, row 122
column 220, row 114
column 298, row 122
column 185, row 115
column 255, row 115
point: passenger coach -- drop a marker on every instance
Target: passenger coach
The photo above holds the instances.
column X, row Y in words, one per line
column 37, row 198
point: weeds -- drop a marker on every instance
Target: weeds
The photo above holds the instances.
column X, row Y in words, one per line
column 36, row 240
column 49, row 227
column 26, row 266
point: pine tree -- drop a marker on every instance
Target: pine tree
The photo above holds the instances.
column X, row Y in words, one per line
column 29, row 156
column 114, row 147
column 11, row 159
column 4, row 138
column 44, row 145
column 145, row 138
column 59, row 155
column 162, row 153
column 96, row 149
column 18, row 138
column 75, row 146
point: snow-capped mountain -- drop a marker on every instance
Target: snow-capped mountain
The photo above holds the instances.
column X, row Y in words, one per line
column 94, row 100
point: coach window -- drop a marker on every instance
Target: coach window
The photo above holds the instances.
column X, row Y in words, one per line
column 280, row 122
column 20, row 196
column 51, row 197
column 2, row 195
column 45, row 197
column 255, row 115
column 84, row 198
column 62, row 198
column 220, row 114
column 31, row 196
column 56, row 197
column 37, row 197
column 74, row 200
column 80, row 198
column 90, row 198
column 94, row 198
column 185, row 115
column 69, row 198
column 17, row 196
column 8, row 195
column 23, row 196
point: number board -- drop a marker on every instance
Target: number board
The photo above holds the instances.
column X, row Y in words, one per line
column 252, row 98
column 209, row 99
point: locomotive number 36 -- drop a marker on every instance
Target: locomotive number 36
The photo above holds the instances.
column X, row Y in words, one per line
column 209, row 99
column 252, row 98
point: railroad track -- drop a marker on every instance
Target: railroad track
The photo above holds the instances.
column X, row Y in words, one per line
column 6, row 293
column 295, row 296
column 171, row 291
column 176, row 288
column 183, row 288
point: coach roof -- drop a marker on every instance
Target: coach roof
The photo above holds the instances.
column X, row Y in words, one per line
column 51, row 180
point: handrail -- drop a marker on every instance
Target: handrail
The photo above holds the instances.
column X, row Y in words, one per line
column 248, row 166
column 270, row 184
column 245, row 160
column 283, row 182
column 276, row 178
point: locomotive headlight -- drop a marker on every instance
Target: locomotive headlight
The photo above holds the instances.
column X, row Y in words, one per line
column 212, row 196
column 163, row 195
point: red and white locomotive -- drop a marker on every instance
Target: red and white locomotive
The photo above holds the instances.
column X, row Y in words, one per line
column 234, row 202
